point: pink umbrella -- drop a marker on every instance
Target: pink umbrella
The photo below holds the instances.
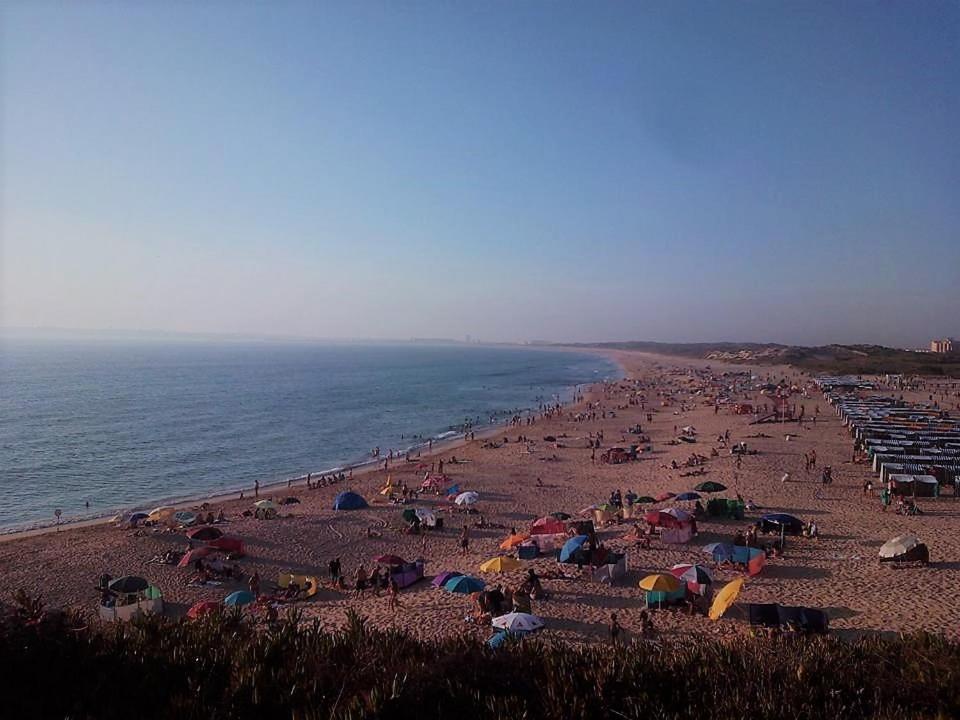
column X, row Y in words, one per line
column 193, row 555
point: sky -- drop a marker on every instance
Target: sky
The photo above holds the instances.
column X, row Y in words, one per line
column 568, row 171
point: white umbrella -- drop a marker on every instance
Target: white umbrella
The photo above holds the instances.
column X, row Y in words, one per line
column 518, row 622
column 467, row 498
column 426, row 516
column 900, row 545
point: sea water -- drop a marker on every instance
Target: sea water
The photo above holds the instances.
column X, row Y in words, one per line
column 123, row 425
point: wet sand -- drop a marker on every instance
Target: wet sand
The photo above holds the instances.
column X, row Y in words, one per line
column 838, row 572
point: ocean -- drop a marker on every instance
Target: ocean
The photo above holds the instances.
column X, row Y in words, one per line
column 123, row 425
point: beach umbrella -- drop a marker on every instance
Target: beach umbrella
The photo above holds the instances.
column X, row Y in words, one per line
column 239, row 598
column 720, row 551
column 192, row 556
column 571, row 547
column 513, row 540
column 688, row 496
column 348, row 500
column 784, row 523
column 659, row 518
column 547, row 526
column 453, row 490
column 427, row 517
column 681, row 515
column 202, row 608
column 290, row 501
column 441, row 579
column 265, row 505
column 900, row 545
column 389, row 560
column 128, row 584
column 160, row 513
column 500, row 564
column 518, row 622
column 467, row 498
column 560, row 515
column 184, row 517
column 644, row 500
column 710, row 487
column 464, row 584
column 665, row 496
column 692, row 573
column 660, row 582
column 725, row 598
column 205, row 533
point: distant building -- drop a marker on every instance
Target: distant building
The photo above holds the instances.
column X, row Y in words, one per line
column 941, row 346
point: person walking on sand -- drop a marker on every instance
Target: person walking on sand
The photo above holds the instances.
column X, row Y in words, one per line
column 359, row 581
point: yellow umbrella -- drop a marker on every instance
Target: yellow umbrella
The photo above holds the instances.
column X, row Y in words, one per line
column 660, row 582
column 500, row 564
column 160, row 513
column 725, row 598
column 513, row 540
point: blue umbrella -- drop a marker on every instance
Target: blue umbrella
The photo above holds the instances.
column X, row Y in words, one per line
column 464, row 584
column 240, row 597
column 349, row 501
column 720, row 551
column 688, row 496
column 571, row 547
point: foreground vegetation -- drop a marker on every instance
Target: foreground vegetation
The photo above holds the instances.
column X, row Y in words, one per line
column 221, row 667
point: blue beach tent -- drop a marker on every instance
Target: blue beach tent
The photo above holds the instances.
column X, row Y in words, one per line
column 349, row 501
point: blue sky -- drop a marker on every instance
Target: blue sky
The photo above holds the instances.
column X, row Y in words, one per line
column 783, row 171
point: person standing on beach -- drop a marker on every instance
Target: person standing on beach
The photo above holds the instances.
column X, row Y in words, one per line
column 394, row 592
column 615, row 629
column 256, row 488
column 334, row 568
column 254, row 584
column 464, row 540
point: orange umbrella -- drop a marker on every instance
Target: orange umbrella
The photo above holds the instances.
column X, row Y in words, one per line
column 513, row 540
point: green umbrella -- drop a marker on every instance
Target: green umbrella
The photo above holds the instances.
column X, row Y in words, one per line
column 710, row 487
column 644, row 500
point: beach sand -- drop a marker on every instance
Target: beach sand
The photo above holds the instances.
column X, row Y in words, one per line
column 838, row 572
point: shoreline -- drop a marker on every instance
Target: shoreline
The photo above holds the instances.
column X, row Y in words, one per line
column 358, row 470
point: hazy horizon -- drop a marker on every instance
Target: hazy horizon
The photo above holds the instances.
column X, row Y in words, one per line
column 670, row 172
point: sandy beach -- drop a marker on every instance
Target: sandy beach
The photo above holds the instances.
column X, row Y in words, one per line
column 838, row 571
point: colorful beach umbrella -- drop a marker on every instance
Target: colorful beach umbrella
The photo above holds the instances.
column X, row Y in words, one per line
column 725, row 598
column 513, row 540
column 571, row 547
column 547, row 526
column 441, row 579
column 678, row 513
column 658, row 518
column 720, row 551
column 464, row 584
column 710, row 487
column 467, row 498
column 500, row 564
column 518, row 622
column 239, row 598
column 191, row 556
column 692, row 573
column 660, row 582
column 205, row 607
column 688, row 496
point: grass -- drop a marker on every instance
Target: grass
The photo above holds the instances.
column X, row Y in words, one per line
column 223, row 667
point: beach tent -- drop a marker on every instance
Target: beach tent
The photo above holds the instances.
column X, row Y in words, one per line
column 205, row 607
column 205, row 533
column 517, row 622
column 239, row 598
column 131, row 597
column 500, row 564
column 725, row 598
column 348, row 500
column 467, row 498
column 547, row 526
column 571, row 548
column 464, row 584
column 904, row 549
column 914, row 485
column 710, row 487
column 441, row 579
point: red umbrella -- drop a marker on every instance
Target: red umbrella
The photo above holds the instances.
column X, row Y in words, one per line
column 205, row 533
column 547, row 526
column 206, row 607
column 665, row 496
column 662, row 519
column 195, row 554
column 389, row 560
